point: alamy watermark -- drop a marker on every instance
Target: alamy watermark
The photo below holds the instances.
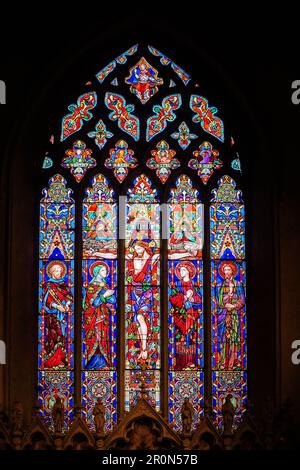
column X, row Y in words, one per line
column 296, row 353
column 296, row 94
column 2, row 352
column 295, row 357
column 2, row 92
column 186, row 218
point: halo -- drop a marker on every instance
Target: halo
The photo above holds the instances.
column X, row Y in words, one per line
column 57, row 263
column 147, row 243
column 189, row 266
column 232, row 265
column 98, row 263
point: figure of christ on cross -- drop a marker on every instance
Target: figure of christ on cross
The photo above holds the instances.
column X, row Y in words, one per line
column 141, row 276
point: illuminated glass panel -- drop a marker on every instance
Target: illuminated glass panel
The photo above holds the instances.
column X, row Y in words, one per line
column 228, row 299
column 232, row 383
column 134, row 379
column 142, row 291
column 52, row 385
column 101, row 384
column 135, row 83
column 185, row 317
column 99, row 271
column 56, row 290
column 185, row 333
column 185, row 384
column 56, row 324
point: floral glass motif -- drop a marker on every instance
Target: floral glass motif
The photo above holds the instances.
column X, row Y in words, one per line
column 185, row 384
column 143, row 80
column 142, row 283
column 228, row 297
column 184, row 136
column 79, row 113
column 53, row 385
column 121, row 59
column 56, row 314
column 206, row 161
column 181, row 73
column 234, row 384
column 163, row 114
column 101, row 76
column 123, row 114
column 101, row 384
column 227, row 231
column 78, row 160
column 162, row 161
column 120, row 160
column 150, row 379
column 236, row 164
column 101, row 134
column 206, row 117
column 47, row 162
column 142, row 191
column 164, row 60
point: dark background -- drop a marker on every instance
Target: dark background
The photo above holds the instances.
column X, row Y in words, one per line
column 247, row 63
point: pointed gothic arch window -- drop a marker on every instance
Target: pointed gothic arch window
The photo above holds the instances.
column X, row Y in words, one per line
column 142, row 287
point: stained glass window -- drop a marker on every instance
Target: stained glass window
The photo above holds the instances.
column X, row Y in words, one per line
column 56, row 306
column 185, row 309
column 142, row 297
column 157, row 306
column 99, row 323
column 228, row 302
